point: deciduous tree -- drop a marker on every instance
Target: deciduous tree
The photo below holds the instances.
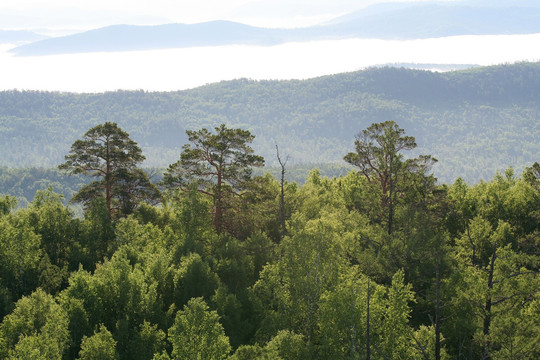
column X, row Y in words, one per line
column 197, row 333
column 36, row 329
column 100, row 346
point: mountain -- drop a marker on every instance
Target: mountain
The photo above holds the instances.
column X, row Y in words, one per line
column 474, row 121
column 131, row 37
column 17, row 36
column 431, row 20
column 385, row 21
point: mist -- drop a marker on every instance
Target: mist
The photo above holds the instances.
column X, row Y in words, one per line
column 177, row 69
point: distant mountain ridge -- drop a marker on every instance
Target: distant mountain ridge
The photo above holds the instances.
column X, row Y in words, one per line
column 16, row 36
column 474, row 121
column 386, row 21
column 132, row 37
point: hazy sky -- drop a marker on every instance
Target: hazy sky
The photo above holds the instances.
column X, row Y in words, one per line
column 173, row 69
column 62, row 13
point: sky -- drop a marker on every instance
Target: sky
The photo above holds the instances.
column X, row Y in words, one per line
column 176, row 69
column 81, row 13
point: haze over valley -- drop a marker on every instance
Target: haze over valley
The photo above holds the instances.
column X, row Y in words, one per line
column 156, row 53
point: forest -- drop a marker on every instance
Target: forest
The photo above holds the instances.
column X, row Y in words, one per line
column 217, row 261
column 476, row 121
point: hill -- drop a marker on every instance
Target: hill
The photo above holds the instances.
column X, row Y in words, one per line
column 410, row 20
column 16, row 36
column 132, row 37
column 474, row 121
column 420, row 20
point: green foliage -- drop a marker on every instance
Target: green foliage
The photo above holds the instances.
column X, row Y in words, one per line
column 20, row 255
column 107, row 153
column 288, row 346
column 148, row 341
column 343, row 319
column 312, row 261
column 55, row 224
column 514, row 333
column 236, row 315
column 197, row 333
column 423, row 345
column 378, row 155
column 253, row 352
column 7, row 203
column 100, row 346
column 255, row 210
column 118, row 296
column 262, row 251
column 231, row 263
column 498, row 266
column 194, row 278
column 96, row 234
column 23, row 183
column 36, row 329
column 219, row 165
column 78, row 326
column 193, row 221
column 395, row 342
column 457, row 277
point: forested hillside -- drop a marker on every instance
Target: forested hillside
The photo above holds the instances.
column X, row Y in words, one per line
column 475, row 121
column 380, row 263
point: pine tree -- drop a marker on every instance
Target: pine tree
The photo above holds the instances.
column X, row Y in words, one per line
column 107, row 153
column 220, row 164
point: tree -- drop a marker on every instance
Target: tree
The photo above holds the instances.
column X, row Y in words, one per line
column 134, row 187
column 396, row 340
column 106, row 152
column 7, row 203
column 36, row 329
column 500, row 287
column 378, row 156
column 118, row 296
column 220, row 164
column 532, row 175
column 282, row 165
column 346, row 315
column 288, row 346
column 197, row 333
column 20, row 255
column 194, row 278
column 54, row 223
column 100, row 346
column 312, row 257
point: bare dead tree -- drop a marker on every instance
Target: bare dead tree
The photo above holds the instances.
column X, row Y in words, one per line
column 282, row 194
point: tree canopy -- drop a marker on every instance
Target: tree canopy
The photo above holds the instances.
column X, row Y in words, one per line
column 106, row 152
column 219, row 165
column 456, row 278
column 378, row 155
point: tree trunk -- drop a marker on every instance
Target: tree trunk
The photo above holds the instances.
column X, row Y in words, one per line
column 218, row 204
column 390, row 198
column 438, row 306
column 487, row 319
column 368, row 336
column 108, row 180
column 282, row 195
